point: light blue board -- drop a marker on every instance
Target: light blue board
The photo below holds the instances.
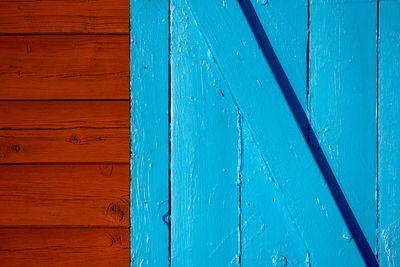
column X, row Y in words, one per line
column 389, row 133
column 205, row 148
column 343, row 96
column 149, row 128
column 269, row 237
column 262, row 105
column 286, row 25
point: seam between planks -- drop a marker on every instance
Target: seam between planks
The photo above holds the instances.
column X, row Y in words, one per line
column 65, row 100
column 308, row 93
column 61, row 128
column 69, row 163
column 62, row 227
column 239, row 182
column 61, row 33
column 377, row 133
column 169, row 134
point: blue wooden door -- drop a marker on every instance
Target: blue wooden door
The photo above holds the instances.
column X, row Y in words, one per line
column 264, row 133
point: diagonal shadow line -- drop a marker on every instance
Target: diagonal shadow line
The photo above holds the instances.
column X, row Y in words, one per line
column 307, row 132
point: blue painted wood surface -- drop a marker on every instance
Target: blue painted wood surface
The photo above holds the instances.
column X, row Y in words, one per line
column 343, row 94
column 389, row 133
column 149, row 129
column 269, row 236
column 205, row 148
column 255, row 88
column 276, row 132
column 286, row 25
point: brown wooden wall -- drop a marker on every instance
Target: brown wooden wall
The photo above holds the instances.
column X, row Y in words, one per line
column 64, row 133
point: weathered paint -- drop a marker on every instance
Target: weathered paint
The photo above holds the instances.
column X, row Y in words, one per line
column 389, row 130
column 205, row 155
column 245, row 188
column 262, row 104
column 150, row 139
column 343, row 95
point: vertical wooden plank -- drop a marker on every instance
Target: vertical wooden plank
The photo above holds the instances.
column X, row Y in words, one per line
column 343, row 99
column 269, row 236
column 389, row 134
column 205, row 160
column 150, row 141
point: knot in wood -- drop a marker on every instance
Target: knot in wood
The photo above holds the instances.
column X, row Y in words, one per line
column 17, row 148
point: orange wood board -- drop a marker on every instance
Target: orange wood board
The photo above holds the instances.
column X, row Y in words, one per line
column 64, row 195
column 64, row 247
column 59, row 146
column 64, row 66
column 59, row 115
column 64, row 16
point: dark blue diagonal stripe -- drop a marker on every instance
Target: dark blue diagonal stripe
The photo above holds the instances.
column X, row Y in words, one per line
column 308, row 132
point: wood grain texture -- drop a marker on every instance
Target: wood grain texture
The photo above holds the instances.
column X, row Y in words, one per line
column 282, row 145
column 76, row 145
column 71, row 207
column 205, row 153
column 64, row 131
column 58, row 115
column 67, row 195
column 64, row 16
column 64, row 247
column 64, row 67
column 150, row 133
column 389, row 134
column 343, row 98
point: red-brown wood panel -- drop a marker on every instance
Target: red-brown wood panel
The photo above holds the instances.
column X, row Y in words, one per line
column 75, row 145
column 64, row 66
column 64, row 157
column 60, row 115
column 64, row 131
column 64, row 247
column 64, row 16
column 64, row 195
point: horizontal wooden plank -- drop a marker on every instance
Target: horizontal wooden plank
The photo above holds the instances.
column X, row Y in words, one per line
column 64, row 16
column 80, row 195
column 64, row 247
column 71, row 145
column 63, row 114
column 389, row 134
column 64, row 67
